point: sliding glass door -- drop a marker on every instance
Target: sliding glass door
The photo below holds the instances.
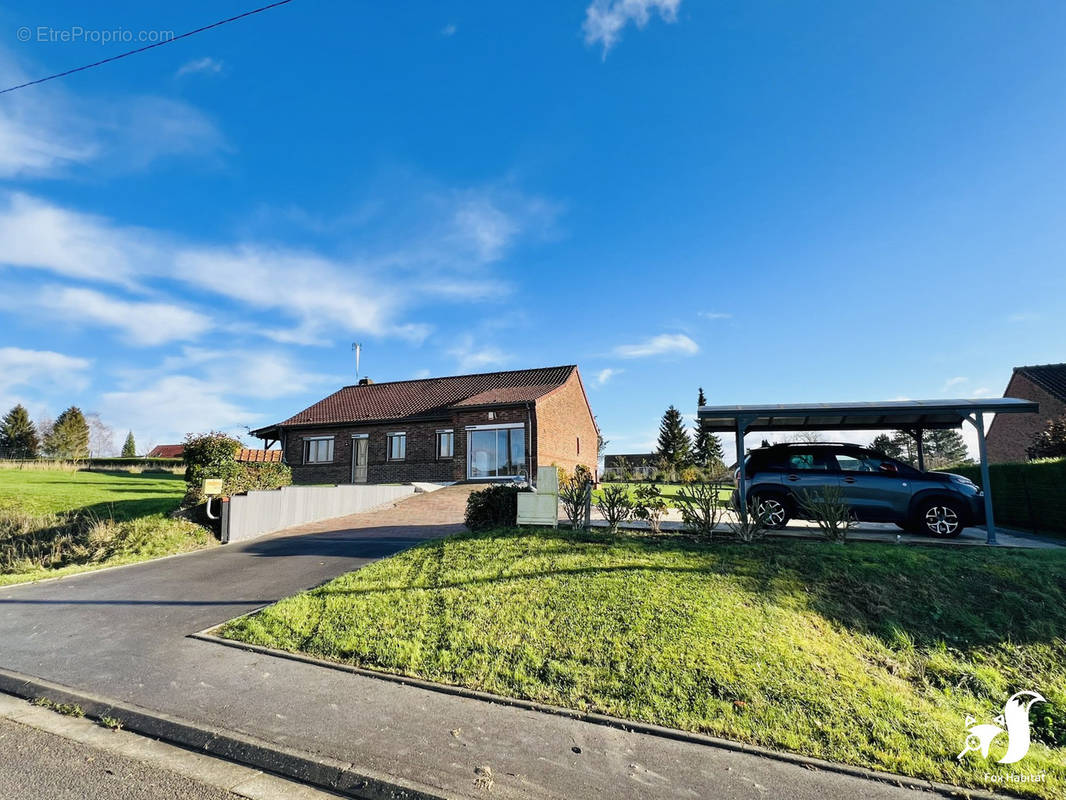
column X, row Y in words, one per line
column 496, row 452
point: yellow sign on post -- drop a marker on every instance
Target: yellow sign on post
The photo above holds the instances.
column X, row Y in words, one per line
column 213, row 486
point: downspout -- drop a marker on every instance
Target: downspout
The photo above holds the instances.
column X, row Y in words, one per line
column 530, row 406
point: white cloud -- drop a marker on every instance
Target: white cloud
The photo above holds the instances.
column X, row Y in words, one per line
column 144, row 324
column 38, row 373
column 167, row 409
column 605, row 19
column 952, row 383
column 663, row 344
column 316, row 297
column 983, row 391
column 1025, row 316
column 449, row 30
column 712, row 315
column 606, row 374
column 473, row 358
column 206, row 65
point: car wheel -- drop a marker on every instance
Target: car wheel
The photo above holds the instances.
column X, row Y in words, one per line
column 939, row 517
column 774, row 510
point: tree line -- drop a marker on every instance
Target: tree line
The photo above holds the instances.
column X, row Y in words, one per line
column 676, row 450
column 72, row 436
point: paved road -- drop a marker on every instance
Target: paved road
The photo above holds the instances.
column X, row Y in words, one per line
column 121, row 634
column 35, row 765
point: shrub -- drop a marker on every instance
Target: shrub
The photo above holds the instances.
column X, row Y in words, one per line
column 649, row 505
column 700, row 507
column 752, row 526
column 495, row 506
column 573, row 493
column 615, row 505
column 829, row 510
column 690, row 475
column 213, row 455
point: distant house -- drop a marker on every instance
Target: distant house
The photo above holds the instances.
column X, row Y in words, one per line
column 167, row 451
column 1011, row 434
column 636, row 465
column 492, row 426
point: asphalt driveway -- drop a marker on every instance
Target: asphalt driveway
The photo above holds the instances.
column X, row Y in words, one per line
column 123, row 634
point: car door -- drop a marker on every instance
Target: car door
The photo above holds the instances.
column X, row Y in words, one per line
column 873, row 486
column 807, row 471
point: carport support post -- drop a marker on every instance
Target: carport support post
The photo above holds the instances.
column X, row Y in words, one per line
column 742, row 427
column 978, row 421
column 919, row 436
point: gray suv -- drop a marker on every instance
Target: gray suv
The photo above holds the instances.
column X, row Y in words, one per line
column 878, row 489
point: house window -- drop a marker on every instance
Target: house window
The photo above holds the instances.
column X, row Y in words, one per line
column 318, row 450
column 445, row 444
column 496, row 452
column 397, row 446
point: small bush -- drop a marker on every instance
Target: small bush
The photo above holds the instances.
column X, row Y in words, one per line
column 649, row 505
column 615, row 505
column 573, row 493
column 690, row 475
column 752, row 526
column 213, row 455
column 493, row 507
column 701, row 510
column 828, row 509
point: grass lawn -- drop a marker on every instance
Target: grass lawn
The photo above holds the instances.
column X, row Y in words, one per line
column 55, row 523
column 115, row 495
column 669, row 491
column 864, row 654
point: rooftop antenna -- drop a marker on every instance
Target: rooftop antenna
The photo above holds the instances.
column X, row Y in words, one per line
column 358, row 348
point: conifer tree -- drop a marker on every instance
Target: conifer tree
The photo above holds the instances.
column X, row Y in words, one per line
column 129, row 449
column 675, row 448
column 69, row 438
column 18, row 436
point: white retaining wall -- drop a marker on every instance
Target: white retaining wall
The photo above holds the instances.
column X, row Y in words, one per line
column 258, row 513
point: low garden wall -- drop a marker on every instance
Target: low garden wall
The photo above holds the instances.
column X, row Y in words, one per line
column 1029, row 495
column 255, row 514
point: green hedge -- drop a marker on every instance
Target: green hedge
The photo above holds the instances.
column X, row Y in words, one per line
column 1029, row 495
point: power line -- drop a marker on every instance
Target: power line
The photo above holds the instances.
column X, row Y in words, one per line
column 186, row 35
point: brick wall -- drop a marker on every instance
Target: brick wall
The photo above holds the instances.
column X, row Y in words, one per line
column 1011, row 434
column 481, row 417
column 421, row 463
column 563, row 419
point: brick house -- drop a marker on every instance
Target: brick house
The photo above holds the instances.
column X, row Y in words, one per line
column 490, row 426
column 1010, row 434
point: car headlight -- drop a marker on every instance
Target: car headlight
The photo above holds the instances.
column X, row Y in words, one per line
column 961, row 479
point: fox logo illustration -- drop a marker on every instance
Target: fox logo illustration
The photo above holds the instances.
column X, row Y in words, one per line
column 1014, row 721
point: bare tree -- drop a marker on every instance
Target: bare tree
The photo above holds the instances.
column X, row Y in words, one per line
column 101, row 436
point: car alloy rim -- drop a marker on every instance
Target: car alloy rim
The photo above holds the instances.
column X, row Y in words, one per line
column 941, row 520
column 772, row 511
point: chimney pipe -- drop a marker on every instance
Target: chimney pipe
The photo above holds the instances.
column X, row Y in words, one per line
column 365, row 381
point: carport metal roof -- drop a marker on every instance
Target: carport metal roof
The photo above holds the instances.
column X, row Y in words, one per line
column 913, row 416
column 893, row 415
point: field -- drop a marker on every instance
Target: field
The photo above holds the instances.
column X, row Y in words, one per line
column 669, row 491
column 867, row 654
column 56, row 522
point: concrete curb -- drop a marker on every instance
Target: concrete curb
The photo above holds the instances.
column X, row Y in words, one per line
column 319, row 771
column 649, row 729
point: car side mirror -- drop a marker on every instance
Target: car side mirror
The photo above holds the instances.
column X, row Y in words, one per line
column 889, row 467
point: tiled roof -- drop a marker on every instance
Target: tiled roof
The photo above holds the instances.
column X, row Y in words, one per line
column 259, row 456
column 1049, row 377
column 167, row 451
column 428, row 397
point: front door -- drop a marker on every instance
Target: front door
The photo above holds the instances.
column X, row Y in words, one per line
column 359, row 451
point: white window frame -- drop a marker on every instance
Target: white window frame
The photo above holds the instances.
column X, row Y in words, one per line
column 389, row 437
column 315, row 440
column 499, row 426
column 450, row 432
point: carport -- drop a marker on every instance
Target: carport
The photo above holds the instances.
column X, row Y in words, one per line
column 912, row 416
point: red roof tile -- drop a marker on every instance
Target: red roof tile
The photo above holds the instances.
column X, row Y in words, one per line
column 429, row 397
column 1050, row 377
column 167, row 451
column 259, row 456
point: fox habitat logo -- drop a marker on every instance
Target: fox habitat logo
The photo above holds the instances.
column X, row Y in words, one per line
column 1014, row 721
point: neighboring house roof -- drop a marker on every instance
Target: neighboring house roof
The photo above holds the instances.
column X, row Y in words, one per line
column 1049, row 377
column 429, row 397
column 259, row 456
column 167, row 451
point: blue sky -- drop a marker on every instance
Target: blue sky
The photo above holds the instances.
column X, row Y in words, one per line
column 781, row 202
